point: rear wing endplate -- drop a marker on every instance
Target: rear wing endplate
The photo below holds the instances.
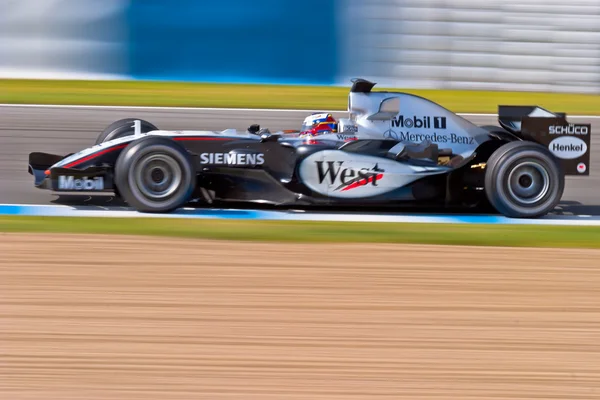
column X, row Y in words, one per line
column 570, row 143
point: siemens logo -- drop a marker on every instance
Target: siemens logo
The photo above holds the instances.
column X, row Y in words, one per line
column 70, row 183
column 232, row 158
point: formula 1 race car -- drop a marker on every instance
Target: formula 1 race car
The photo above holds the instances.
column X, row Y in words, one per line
column 394, row 149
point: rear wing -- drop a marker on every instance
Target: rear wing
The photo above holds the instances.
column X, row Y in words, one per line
column 570, row 143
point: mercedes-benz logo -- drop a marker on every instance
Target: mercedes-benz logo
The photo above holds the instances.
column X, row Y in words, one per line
column 390, row 134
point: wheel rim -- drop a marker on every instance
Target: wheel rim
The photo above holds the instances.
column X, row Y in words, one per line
column 528, row 182
column 157, row 176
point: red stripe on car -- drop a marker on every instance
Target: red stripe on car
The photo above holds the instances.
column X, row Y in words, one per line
column 201, row 138
column 122, row 146
column 92, row 156
column 362, row 182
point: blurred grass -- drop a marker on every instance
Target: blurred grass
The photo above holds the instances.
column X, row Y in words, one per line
column 305, row 231
column 172, row 94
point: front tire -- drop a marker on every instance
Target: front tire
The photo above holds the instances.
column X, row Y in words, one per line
column 155, row 175
column 122, row 128
column 523, row 180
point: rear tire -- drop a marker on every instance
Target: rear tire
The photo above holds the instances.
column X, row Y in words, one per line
column 523, row 180
column 122, row 128
column 155, row 175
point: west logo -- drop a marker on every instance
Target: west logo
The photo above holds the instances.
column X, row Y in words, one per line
column 346, row 137
column 70, row 183
column 348, row 178
column 401, row 121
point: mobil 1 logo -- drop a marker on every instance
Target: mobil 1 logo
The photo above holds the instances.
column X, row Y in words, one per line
column 570, row 143
column 417, row 122
column 80, row 183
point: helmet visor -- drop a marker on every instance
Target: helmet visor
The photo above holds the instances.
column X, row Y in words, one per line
column 315, row 128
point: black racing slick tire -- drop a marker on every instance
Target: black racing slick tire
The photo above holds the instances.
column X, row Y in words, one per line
column 155, row 175
column 523, row 180
column 122, row 128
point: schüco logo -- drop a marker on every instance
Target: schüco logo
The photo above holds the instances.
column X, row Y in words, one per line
column 70, row 183
column 568, row 147
column 570, row 129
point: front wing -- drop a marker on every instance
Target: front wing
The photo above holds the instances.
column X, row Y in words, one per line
column 92, row 179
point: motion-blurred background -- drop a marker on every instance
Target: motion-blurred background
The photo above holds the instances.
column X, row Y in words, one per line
column 96, row 317
column 548, row 45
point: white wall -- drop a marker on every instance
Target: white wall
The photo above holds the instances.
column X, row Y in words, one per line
column 75, row 39
column 550, row 45
column 488, row 44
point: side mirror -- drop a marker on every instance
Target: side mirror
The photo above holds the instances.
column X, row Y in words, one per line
column 269, row 137
column 388, row 109
column 254, row 128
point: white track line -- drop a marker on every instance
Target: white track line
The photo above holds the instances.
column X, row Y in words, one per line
column 149, row 108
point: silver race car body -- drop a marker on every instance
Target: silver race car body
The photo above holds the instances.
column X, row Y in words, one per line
column 393, row 149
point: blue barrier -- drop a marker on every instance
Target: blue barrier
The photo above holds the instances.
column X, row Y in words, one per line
column 243, row 214
column 242, row 41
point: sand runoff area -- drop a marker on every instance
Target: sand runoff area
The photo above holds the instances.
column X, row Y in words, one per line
column 104, row 317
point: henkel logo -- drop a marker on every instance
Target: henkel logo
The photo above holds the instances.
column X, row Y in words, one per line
column 401, row 121
column 568, row 147
column 347, row 178
column 70, row 183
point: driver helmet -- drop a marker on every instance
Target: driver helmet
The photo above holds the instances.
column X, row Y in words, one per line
column 318, row 124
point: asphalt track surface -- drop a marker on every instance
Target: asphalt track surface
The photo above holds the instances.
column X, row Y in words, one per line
column 63, row 130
